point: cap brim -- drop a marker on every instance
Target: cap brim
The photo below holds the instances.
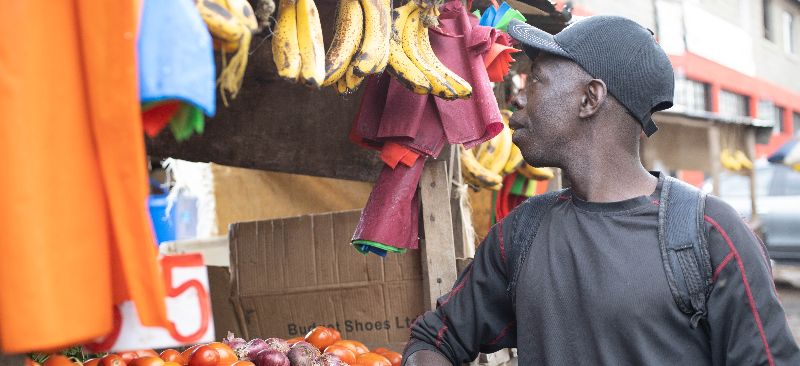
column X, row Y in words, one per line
column 535, row 39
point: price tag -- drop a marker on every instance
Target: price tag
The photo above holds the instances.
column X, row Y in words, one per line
column 188, row 311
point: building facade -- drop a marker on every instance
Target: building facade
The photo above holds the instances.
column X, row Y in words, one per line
column 732, row 58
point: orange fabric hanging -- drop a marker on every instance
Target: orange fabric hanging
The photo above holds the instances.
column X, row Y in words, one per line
column 75, row 237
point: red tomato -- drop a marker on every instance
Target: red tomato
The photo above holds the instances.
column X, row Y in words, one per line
column 373, row 359
column 146, row 353
column 204, row 356
column 58, row 360
column 336, row 334
column 355, row 346
column 321, row 337
column 147, row 361
column 395, row 358
column 172, row 363
column 243, row 363
column 128, row 356
column 344, row 353
column 171, row 355
column 226, row 354
column 294, row 340
column 89, row 362
column 188, row 352
column 112, row 360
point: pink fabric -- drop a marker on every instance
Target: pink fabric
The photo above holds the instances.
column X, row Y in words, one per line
column 392, row 213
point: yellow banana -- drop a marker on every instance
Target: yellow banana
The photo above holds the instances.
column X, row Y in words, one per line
column 226, row 47
column 515, row 160
column 410, row 42
column 309, row 39
column 221, row 23
column 400, row 66
column 341, row 86
column 372, row 57
column 285, row 49
column 743, row 160
column 349, row 31
column 497, row 159
column 476, row 175
column 728, row 161
column 534, row 173
column 242, row 10
column 352, row 81
column 461, row 87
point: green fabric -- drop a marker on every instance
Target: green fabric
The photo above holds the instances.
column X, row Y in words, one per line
column 187, row 121
column 375, row 244
column 477, row 13
column 510, row 14
column 519, row 184
column 531, row 191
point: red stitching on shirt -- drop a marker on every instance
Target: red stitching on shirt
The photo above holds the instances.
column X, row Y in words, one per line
column 502, row 247
column 502, row 334
column 747, row 291
column 722, row 266
column 459, row 287
column 563, row 198
column 440, row 335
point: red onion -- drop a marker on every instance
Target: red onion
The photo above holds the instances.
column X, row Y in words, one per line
column 328, row 359
column 271, row 358
column 303, row 354
column 233, row 342
column 252, row 348
column 278, row 345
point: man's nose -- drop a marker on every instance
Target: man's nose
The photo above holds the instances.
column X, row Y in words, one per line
column 520, row 101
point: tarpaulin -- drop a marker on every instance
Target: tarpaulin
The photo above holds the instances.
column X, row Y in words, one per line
column 76, row 236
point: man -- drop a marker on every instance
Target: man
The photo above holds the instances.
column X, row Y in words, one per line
column 592, row 289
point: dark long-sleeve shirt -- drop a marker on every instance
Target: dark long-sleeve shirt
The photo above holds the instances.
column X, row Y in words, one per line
column 593, row 291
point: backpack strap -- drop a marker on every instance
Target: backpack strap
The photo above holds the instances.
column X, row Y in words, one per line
column 525, row 222
column 684, row 249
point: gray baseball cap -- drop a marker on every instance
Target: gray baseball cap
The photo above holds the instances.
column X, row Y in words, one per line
column 617, row 50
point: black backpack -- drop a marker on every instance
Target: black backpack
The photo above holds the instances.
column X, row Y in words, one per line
column 681, row 236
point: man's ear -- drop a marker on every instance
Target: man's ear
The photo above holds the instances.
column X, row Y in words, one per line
column 594, row 95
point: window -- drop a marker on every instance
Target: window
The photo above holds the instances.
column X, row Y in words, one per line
column 765, row 12
column 770, row 112
column 733, row 105
column 692, row 95
column 796, row 123
column 788, row 32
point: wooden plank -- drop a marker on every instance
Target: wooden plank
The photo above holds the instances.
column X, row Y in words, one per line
column 279, row 126
column 713, row 153
column 438, row 248
column 750, row 148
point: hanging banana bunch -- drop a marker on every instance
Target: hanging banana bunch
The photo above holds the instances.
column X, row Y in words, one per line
column 297, row 48
column 360, row 45
column 412, row 60
column 496, row 158
column 231, row 24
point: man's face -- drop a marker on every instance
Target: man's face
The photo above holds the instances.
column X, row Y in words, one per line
column 545, row 128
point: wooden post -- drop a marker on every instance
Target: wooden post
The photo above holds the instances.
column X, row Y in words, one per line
column 713, row 153
column 438, row 247
column 750, row 146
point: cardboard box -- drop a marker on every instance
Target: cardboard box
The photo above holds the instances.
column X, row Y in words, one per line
column 291, row 274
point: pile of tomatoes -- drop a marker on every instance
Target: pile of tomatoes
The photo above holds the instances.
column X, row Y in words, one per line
column 354, row 353
column 327, row 340
column 211, row 354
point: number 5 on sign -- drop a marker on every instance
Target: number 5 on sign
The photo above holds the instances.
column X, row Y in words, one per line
column 188, row 310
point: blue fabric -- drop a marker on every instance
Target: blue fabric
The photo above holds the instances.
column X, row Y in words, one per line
column 488, row 17
column 784, row 151
column 176, row 56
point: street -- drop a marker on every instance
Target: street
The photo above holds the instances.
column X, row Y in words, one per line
column 790, row 297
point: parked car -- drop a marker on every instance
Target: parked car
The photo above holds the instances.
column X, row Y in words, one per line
column 777, row 203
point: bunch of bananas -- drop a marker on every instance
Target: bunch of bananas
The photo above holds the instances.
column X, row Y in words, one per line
column 412, row 60
column 231, row 24
column 735, row 161
column 297, row 47
column 496, row 158
column 360, row 45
